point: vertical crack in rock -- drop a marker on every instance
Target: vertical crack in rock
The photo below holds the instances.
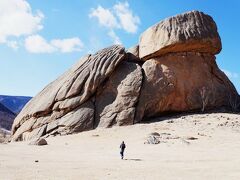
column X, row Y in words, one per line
column 116, row 101
column 159, row 82
column 136, row 118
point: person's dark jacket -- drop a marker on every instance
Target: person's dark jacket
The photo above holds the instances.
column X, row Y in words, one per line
column 122, row 146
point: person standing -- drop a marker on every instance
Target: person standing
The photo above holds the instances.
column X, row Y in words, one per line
column 122, row 147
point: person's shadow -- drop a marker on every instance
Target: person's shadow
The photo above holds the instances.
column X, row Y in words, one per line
column 133, row 159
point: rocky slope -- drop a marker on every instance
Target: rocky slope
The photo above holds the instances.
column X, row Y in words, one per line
column 173, row 69
column 14, row 103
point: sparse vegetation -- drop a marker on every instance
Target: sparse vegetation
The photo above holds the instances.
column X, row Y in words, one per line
column 204, row 97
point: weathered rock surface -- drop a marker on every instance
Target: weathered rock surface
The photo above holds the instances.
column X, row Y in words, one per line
column 173, row 83
column 134, row 50
column 115, row 102
column 177, row 73
column 67, row 93
column 191, row 31
column 133, row 54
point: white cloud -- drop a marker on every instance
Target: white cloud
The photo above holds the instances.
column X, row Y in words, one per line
column 115, row 38
column 37, row 44
column 128, row 21
column 68, row 45
column 120, row 16
column 104, row 16
column 17, row 19
column 230, row 74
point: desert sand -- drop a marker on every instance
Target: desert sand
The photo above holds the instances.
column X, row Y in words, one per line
column 215, row 154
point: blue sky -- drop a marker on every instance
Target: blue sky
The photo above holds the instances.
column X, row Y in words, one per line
column 39, row 40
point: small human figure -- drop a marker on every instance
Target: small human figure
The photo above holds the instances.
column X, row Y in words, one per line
column 122, row 147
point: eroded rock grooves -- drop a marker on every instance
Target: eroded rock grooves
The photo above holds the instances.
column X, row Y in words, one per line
column 48, row 110
column 191, row 31
column 173, row 69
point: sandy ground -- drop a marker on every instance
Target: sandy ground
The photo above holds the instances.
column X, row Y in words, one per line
column 215, row 154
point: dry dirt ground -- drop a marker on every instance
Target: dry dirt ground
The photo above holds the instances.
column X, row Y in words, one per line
column 194, row 147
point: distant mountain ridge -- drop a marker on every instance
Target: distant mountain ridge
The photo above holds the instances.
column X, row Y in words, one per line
column 10, row 106
column 5, row 109
column 14, row 103
column 6, row 117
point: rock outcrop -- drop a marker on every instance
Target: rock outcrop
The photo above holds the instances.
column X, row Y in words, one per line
column 173, row 69
column 177, row 81
column 116, row 100
column 191, row 31
column 133, row 54
column 68, row 105
column 39, row 142
column 180, row 68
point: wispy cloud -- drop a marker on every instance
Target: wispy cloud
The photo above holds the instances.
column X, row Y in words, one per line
column 68, row 45
column 114, row 37
column 120, row 16
column 105, row 17
column 231, row 74
column 37, row 44
column 128, row 21
column 17, row 19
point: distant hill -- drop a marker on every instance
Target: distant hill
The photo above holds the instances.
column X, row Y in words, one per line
column 6, row 117
column 14, row 103
column 5, row 109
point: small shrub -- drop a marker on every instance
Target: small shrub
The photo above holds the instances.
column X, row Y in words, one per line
column 204, row 97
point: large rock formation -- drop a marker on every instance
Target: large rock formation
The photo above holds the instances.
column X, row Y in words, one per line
column 180, row 67
column 172, row 70
column 70, row 104
column 182, row 82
